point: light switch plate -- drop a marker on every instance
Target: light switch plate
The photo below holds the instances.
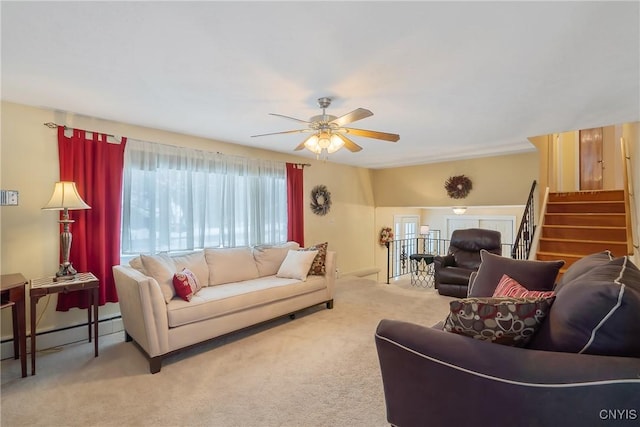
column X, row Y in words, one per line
column 8, row 198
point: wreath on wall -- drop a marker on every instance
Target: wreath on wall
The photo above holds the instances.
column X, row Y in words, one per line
column 386, row 236
column 320, row 200
column 458, row 186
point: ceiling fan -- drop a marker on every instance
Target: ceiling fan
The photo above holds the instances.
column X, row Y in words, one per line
column 329, row 132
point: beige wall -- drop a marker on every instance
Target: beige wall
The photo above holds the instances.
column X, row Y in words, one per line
column 498, row 180
column 29, row 237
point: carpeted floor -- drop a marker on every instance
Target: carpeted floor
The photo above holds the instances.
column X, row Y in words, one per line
column 320, row 369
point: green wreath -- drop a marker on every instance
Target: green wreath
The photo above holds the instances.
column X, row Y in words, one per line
column 320, row 200
column 458, row 186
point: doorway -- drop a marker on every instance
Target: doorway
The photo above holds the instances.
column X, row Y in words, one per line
column 591, row 164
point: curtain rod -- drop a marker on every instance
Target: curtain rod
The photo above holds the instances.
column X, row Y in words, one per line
column 52, row 125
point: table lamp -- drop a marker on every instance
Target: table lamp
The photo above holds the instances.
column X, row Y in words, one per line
column 65, row 197
column 424, row 232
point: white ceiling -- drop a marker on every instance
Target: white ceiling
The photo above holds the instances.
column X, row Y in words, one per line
column 454, row 79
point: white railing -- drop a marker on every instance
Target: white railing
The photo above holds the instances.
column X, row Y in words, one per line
column 629, row 198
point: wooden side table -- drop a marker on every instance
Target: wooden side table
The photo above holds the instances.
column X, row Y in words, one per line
column 47, row 286
column 13, row 294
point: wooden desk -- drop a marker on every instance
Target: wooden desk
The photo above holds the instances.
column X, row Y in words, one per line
column 47, row 286
column 13, row 293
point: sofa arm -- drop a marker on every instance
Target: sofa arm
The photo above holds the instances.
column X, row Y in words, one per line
column 443, row 379
column 330, row 272
column 143, row 309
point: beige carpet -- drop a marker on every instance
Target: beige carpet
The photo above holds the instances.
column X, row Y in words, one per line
column 320, row 369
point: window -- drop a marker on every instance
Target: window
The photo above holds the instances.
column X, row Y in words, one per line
column 177, row 199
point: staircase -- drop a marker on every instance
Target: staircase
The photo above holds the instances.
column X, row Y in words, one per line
column 581, row 223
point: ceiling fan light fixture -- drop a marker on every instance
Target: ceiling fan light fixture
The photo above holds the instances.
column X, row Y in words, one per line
column 335, row 144
column 328, row 131
column 312, row 145
column 324, row 140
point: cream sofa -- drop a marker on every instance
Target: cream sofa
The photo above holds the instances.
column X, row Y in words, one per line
column 241, row 287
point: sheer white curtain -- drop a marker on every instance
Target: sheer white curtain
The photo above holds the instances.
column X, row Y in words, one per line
column 177, row 199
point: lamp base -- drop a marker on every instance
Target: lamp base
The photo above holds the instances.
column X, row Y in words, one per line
column 66, row 272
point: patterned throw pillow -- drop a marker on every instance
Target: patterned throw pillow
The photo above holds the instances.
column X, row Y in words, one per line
column 186, row 284
column 508, row 287
column 504, row 320
column 318, row 266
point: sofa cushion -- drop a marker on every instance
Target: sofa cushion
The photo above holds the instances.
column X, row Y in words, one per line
column 162, row 268
column 507, row 287
column 186, row 284
column 227, row 265
column 596, row 313
column 583, row 265
column 505, row 320
column 268, row 258
column 533, row 275
column 194, row 262
column 136, row 263
column 296, row 265
column 317, row 266
column 217, row 301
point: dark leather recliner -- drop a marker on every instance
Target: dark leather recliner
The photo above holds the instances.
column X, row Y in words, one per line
column 452, row 272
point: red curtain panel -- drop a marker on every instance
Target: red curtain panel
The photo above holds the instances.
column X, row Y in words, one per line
column 295, row 203
column 96, row 166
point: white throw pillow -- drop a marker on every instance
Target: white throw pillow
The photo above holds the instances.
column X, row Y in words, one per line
column 162, row 268
column 296, row 265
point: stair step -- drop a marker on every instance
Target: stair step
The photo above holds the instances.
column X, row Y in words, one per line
column 586, row 219
column 581, row 247
column 586, row 207
column 616, row 234
column 587, row 195
column 568, row 259
column 553, row 256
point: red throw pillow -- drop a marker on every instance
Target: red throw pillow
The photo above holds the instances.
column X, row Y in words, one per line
column 508, row 287
column 186, row 284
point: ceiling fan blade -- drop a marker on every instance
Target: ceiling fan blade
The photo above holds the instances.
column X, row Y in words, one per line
column 391, row 137
column 290, row 118
column 301, row 145
column 355, row 115
column 349, row 144
column 280, row 133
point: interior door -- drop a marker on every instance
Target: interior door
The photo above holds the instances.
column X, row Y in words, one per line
column 591, row 163
column 405, row 229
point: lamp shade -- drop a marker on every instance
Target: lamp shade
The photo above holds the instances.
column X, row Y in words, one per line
column 424, row 229
column 65, row 196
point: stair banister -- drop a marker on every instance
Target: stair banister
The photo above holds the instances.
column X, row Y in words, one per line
column 631, row 216
column 527, row 228
column 536, row 235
